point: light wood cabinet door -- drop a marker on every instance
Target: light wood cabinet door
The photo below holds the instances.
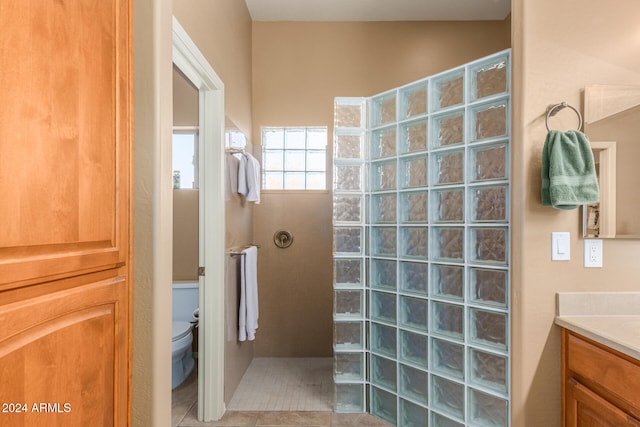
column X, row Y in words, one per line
column 64, row 138
column 65, row 212
column 61, row 356
column 587, row 409
column 599, row 385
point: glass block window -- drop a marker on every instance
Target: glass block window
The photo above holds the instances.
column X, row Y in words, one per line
column 421, row 249
column 294, row 158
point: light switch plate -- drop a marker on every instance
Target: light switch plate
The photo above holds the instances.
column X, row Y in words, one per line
column 560, row 246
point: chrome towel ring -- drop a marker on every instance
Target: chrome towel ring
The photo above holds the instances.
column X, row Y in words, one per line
column 554, row 108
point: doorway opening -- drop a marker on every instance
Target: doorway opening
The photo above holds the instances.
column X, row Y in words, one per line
column 208, row 173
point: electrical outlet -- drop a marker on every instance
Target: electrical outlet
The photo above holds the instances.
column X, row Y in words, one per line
column 593, row 253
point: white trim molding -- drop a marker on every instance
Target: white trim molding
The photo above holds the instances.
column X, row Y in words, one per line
column 607, row 183
column 192, row 63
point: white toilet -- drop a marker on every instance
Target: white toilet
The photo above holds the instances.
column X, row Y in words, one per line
column 185, row 303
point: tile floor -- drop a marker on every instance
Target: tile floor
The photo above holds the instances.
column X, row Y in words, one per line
column 274, row 392
column 285, row 384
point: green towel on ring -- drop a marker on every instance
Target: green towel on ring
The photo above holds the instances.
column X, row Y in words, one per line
column 568, row 172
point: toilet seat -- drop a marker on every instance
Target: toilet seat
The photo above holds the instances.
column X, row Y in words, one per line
column 180, row 330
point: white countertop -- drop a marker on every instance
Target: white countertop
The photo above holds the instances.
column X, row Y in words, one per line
column 609, row 318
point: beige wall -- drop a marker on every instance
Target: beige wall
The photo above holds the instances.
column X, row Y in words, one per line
column 152, row 247
column 185, row 100
column 296, row 282
column 298, row 69
column 185, row 234
column 558, row 48
column 222, row 31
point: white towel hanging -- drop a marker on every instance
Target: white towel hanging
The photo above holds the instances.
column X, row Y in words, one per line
column 253, row 179
column 232, row 165
column 243, row 188
column 249, row 178
column 248, row 310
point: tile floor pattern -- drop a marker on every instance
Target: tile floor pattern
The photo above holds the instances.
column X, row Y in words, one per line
column 285, row 378
column 285, row 384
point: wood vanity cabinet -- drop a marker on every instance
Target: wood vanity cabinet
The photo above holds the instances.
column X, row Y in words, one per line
column 600, row 386
column 66, row 217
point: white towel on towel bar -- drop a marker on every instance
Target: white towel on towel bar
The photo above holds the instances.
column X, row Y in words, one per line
column 248, row 315
column 232, row 166
column 249, row 178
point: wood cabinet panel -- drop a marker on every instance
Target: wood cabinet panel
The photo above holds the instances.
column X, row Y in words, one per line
column 64, row 138
column 63, row 355
column 605, row 372
column 587, row 409
column 600, row 385
column 65, row 212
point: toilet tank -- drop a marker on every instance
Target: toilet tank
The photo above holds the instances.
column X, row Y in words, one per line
column 184, row 300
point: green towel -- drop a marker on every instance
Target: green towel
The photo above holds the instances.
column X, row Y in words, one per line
column 568, row 172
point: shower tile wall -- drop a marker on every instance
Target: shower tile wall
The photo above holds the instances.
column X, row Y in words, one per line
column 421, row 249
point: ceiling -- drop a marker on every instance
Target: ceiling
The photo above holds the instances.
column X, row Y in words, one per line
column 378, row 10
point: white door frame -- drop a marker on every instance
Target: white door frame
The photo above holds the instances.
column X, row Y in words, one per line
column 195, row 67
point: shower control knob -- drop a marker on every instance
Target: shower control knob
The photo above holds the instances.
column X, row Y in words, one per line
column 282, row 239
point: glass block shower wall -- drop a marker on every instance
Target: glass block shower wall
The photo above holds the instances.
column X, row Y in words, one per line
column 421, row 249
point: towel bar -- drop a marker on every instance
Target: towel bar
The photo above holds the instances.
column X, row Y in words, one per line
column 239, row 252
column 552, row 109
column 234, row 151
